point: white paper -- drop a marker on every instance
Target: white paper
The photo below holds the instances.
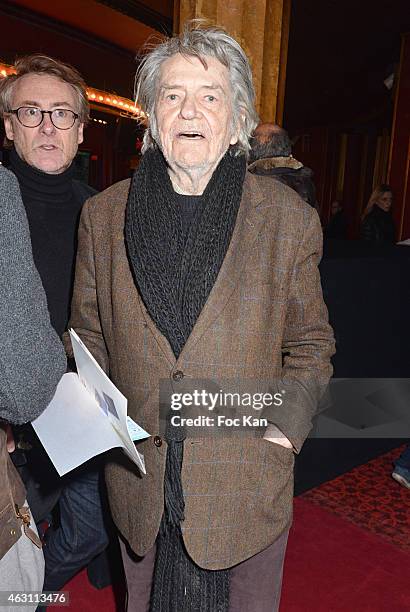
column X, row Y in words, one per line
column 87, row 416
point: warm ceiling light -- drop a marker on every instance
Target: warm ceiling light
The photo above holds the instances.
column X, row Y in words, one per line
column 96, row 95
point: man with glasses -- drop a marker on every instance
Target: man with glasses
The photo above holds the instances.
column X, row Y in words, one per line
column 45, row 109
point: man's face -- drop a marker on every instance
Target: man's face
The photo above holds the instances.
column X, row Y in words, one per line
column 45, row 147
column 194, row 113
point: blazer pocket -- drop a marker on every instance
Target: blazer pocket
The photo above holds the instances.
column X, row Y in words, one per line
column 281, row 454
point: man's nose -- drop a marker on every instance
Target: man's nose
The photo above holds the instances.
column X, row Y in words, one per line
column 189, row 108
column 46, row 125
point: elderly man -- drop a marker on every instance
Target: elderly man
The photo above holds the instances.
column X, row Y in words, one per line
column 199, row 270
column 271, row 155
column 44, row 107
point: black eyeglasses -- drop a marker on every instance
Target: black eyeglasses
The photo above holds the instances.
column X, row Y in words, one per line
column 31, row 117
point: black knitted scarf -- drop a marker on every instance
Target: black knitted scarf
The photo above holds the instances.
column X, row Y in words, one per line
column 174, row 275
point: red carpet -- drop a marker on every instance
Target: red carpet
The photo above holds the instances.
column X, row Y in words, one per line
column 370, row 498
column 333, row 565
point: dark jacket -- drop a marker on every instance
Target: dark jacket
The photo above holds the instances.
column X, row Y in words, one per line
column 32, row 358
column 378, row 226
column 289, row 171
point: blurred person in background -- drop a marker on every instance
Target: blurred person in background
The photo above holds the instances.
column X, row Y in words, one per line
column 377, row 221
column 337, row 226
column 271, row 155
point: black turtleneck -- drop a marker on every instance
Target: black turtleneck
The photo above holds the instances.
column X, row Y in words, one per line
column 53, row 210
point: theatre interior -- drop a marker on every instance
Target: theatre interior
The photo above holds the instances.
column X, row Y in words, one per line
column 336, row 75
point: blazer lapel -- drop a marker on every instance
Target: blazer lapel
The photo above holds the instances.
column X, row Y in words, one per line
column 162, row 342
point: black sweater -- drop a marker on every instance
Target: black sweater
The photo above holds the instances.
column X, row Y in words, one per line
column 53, row 203
column 191, row 209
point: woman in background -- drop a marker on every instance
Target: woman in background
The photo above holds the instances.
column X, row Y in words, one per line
column 377, row 221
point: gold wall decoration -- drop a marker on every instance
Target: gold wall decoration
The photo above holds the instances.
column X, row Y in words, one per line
column 262, row 28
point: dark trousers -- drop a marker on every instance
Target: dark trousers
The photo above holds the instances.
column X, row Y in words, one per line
column 82, row 534
column 255, row 584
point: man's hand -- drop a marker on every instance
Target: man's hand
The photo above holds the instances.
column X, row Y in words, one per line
column 11, row 447
column 274, row 434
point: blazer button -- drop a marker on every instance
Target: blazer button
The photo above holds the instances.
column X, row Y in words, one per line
column 178, row 375
column 158, row 441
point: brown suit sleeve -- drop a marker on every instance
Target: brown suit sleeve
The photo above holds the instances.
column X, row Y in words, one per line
column 84, row 306
column 308, row 342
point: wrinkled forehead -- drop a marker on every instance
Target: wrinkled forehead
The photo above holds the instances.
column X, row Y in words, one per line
column 190, row 71
column 43, row 90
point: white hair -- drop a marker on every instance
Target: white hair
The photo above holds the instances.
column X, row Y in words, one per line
column 197, row 40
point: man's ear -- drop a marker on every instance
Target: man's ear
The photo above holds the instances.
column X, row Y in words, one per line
column 234, row 137
column 237, row 128
column 8, row 126
column 80, row 133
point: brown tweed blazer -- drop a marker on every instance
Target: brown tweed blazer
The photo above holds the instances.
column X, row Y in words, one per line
column 265, row 317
